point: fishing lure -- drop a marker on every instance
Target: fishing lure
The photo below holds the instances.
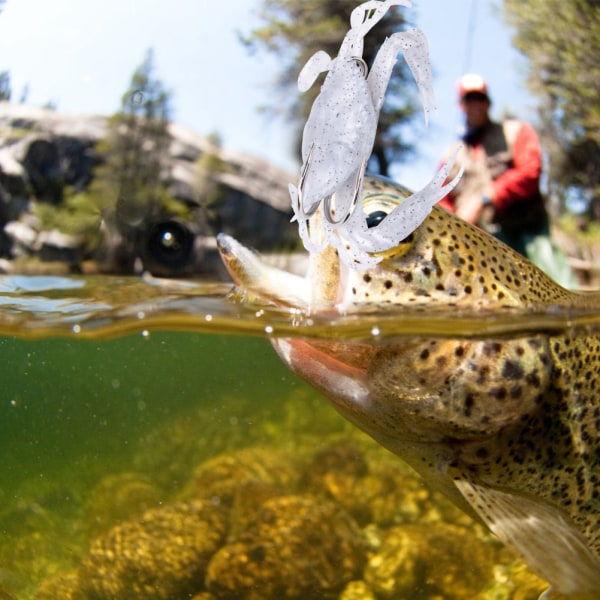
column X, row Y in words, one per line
column 339, row 136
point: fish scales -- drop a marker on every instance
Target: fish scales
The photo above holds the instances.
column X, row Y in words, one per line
column 508, row 426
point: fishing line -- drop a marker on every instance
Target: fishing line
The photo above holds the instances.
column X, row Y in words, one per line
column 471, row 23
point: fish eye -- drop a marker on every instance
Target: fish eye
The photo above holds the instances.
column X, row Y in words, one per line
column 374, row 218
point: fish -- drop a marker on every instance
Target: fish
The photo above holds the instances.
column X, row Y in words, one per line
column 507, row 427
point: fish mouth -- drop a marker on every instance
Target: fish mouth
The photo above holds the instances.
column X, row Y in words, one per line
column 252, row 275
column 322, row 290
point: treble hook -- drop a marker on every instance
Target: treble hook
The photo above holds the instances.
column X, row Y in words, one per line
column 362, row 64
column 328, row 213
column 313, row 209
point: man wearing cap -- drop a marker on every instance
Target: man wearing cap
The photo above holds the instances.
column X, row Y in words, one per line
column 499, row 190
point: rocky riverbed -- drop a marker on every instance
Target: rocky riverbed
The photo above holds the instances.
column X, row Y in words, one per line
column 268, row 514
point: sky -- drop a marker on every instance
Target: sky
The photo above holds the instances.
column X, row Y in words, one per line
column 81, row 55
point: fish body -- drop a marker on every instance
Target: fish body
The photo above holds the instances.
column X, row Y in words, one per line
column 507, row 427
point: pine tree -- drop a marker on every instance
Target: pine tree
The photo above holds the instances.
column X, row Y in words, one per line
column 561, row 40
column 5, row 89
column 136, row 151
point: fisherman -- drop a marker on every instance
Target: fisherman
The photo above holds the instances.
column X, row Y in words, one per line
column 500, row 187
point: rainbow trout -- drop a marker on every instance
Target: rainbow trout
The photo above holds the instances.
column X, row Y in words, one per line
column 506, row 427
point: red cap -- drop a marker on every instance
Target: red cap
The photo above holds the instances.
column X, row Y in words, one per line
column 472, row 83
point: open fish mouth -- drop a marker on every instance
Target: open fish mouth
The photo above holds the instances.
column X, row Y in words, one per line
column 310, row 294
column 250, row 273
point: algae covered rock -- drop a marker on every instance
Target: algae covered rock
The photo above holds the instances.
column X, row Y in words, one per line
column 371, row 489
column 65, row 587
column 296, row 548
column 438, row 559
column 119, row 497
column 161, row 556
column 338, row 471
column 219, row 478
column 357, row 590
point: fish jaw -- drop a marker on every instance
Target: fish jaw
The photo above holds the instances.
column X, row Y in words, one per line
column 342, row 372
column 319, row 291
column 326, row 371
column 253, row 276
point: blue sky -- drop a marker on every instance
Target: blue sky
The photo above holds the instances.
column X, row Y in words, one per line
column 81, row 54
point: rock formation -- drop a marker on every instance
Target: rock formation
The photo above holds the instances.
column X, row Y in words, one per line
column 44, row 153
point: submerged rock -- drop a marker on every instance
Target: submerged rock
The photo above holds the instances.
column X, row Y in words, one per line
column 373, row 488
column 161, row 556
column 438, row 559
column 65, row 587
column 357, row 590
column 296, row 548
column 220, row 478
column 345, row 522
column 120, row 497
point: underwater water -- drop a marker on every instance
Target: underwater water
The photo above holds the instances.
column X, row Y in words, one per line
column 154, row 446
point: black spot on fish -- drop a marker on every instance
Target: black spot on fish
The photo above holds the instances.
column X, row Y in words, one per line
column 469, row 403
column 533, row 379
column 499, row 393
column 512, row 369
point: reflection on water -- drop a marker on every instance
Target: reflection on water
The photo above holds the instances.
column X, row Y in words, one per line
column 112, row 406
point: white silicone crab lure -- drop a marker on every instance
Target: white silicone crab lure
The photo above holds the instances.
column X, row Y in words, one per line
column 339, row 136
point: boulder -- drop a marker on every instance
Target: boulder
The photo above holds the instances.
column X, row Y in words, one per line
column 43, row 151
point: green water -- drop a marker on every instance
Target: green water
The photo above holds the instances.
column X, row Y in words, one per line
column 63, row 398
column 72, row 411
column 119, row 395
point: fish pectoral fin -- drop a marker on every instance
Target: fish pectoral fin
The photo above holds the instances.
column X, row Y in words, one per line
column 540, row 532
column 551, row 594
